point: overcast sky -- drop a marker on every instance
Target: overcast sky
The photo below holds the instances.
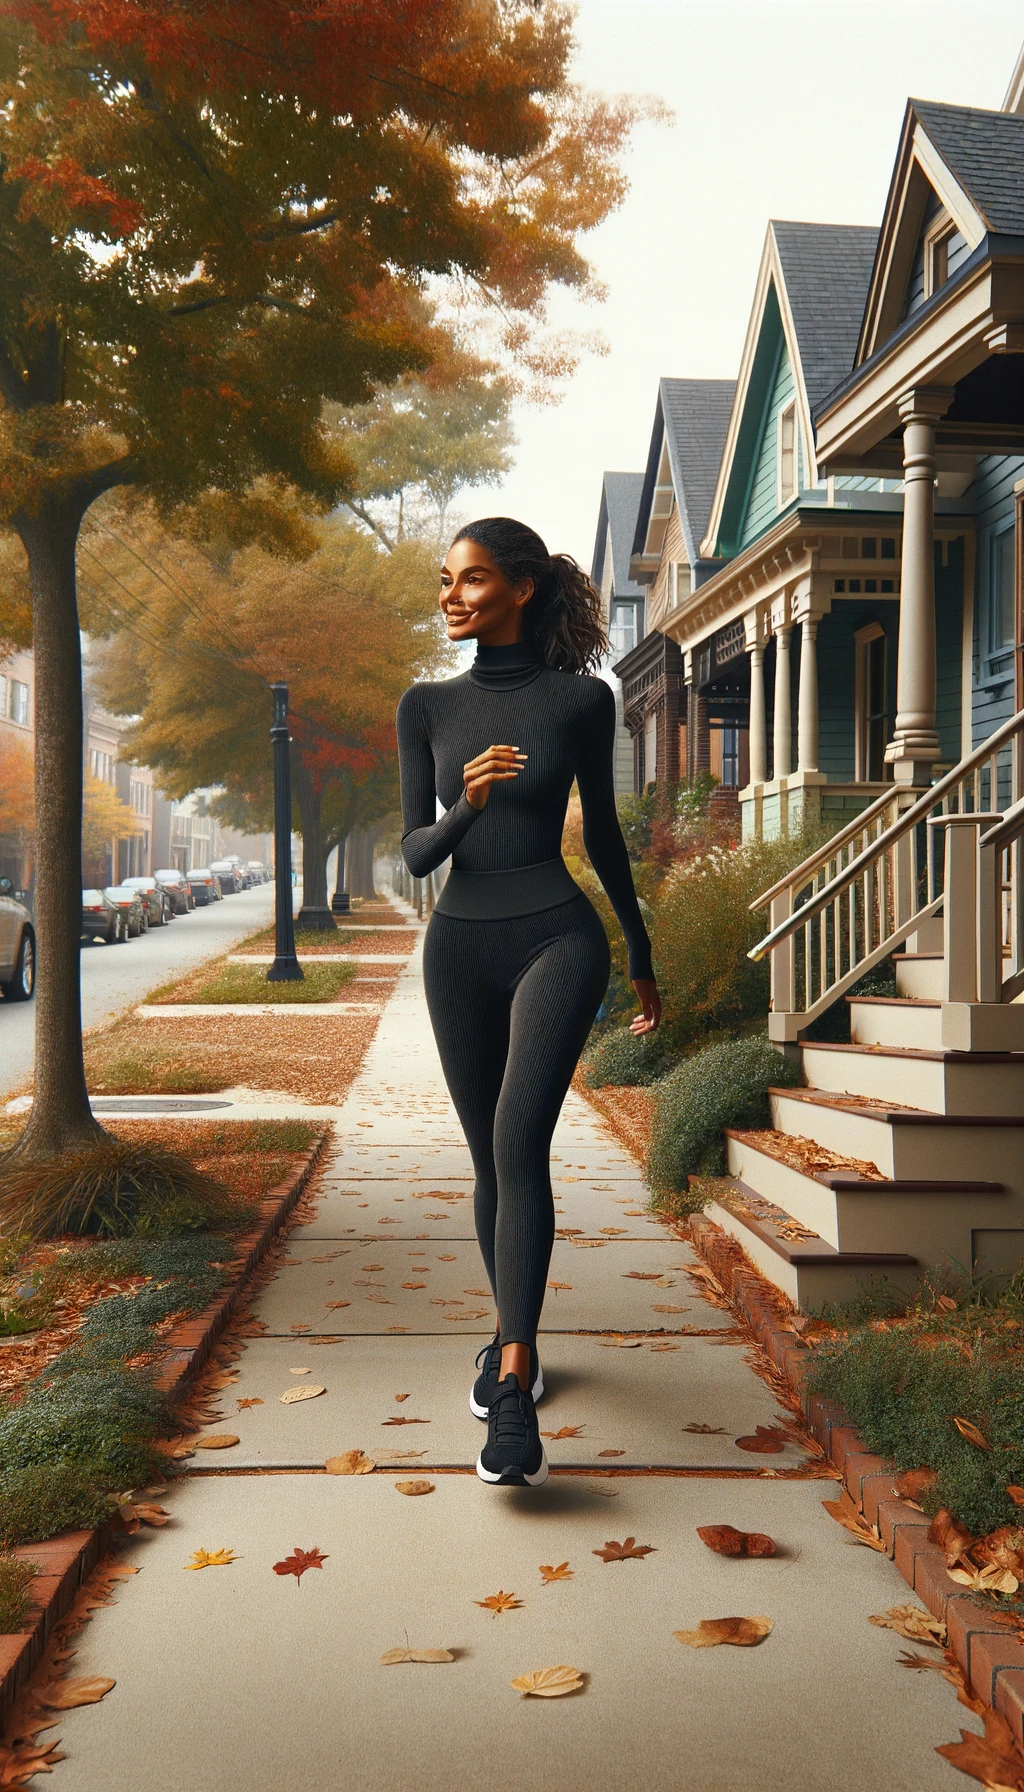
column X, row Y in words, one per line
column 784, row 109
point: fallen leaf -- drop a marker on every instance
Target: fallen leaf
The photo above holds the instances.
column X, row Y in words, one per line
column 298, row 1328
column 665, row 1282
column 629, row 1551
column 701, row 1430
column 65, row 1695
column 972, row 1434
column 222, row 1440
column 858, row 1527
column 989, row 1579
column 566, row 1431
column 767, row 1440
column 613, row 1231
column 665, row 1347
column 380, row 1456
column 20, row 1762
column 726, row 1541
column 244, row 1404
column 562, row 1572
column 414, row 1487
column 611, row 1452
column 498, row 1602
column 1016, row 1494
column 291, row 1395
column 393, row 1656
column 744, row 1632
column 621, row 1343
column 913, row 1482
column 415, row 1284
column 912, row 1622
column 953, row 1538
column 549, row 1683
column 150, row 1514
column 602, row 1493
column 663, row 1309
column 1002, row 1548
column 350, row 1462
column 994, row 1758
column 641, row 1275
column 372, row 1268
column 401, row 1397
column 299, row 1561
column 398, row 1418
column 557, row 1286
column 442, row 1258
column 485, row 1293
column 212, row 1558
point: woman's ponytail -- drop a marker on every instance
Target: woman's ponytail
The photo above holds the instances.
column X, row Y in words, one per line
column 563, row 621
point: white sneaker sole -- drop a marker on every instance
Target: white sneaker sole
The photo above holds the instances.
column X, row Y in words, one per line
column 514, row 1477
column 537, row 1391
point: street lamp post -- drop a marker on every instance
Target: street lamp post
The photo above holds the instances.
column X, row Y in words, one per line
column 286, row 967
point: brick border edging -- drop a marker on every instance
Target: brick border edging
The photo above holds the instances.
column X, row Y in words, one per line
column 66, row 1561
column 991, row 1660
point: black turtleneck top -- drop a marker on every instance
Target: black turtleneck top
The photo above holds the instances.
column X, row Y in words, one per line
column 506, row 858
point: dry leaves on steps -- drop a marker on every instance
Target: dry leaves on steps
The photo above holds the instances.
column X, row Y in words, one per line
column 549, row 1683
column 913, row 1622
column 629, row 1551
column 767, row 1440
column 299, row 1561
column 725, row 1540
column 414, row 1487
column 743, row 1632
column 496, row 1603
column 972, row 1434
column 392, row 1657
column 845, row 1513
column 350, row 1462
column 65, row 1695
column 549, row 1574
column 993, row 1758
column 212, row 1558
column 292, row 1395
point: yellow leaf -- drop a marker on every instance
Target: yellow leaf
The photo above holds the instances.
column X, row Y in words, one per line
column 743, row 1632
column 291, row 1395
column 64, row 1695
column 393, row 1656
column 223, row 1440
column 414, row 1487
column 212, row 1558
column 562, row 1572
column 985, row 1580
column 911, row 1621
column 549, row 1683
column 498, row 1602
column 351, row 1462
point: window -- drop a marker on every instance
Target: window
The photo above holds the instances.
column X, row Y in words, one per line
column 945, row 249
column 139, row 796
column 650, row 759
column 1002, row 604
column 101, row 765
column 622, row 630
column 679, row 585
column 871, row 692
column 730, row 756
column 787, row 454
column 19, row 702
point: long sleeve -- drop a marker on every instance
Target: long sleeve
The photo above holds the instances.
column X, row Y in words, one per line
column 602, row 835
column 426, row 840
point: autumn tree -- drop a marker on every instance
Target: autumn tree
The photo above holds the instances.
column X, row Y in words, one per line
column 215, row 215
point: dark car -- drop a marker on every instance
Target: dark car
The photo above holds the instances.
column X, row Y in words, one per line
column 204, row 886
column 176, row 884
column 132, row 909
column 17, row 947
column 158, row 903
column 102, row 919
column 227, row 876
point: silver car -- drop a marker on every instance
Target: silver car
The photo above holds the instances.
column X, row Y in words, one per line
column 17, row 947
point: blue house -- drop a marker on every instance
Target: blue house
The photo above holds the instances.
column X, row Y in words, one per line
column 622, row 598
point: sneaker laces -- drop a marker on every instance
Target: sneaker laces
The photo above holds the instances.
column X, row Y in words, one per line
column 510, row 1416
column 484, row 1354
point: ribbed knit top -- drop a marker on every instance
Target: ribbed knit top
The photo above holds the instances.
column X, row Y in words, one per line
column 506, row 858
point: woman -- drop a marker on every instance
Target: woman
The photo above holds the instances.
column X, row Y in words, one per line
column 515, row 961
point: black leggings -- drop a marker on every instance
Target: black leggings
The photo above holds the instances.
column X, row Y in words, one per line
column 511, row 1003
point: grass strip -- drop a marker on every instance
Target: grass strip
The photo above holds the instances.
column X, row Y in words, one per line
column 248, row 983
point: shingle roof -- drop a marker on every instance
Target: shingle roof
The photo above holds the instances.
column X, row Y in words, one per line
column 696, row 417
column 985, row 150
column 827, row 271
column 620, row 501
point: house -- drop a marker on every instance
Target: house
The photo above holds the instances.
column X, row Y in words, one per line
column 622, row 599
column 17, row 733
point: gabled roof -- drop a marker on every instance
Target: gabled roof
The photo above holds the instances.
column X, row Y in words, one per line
column 690, row 421
column 620, row 501
column 985, row 151
column 812, row 284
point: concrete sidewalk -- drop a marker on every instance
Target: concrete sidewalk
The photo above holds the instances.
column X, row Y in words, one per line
column 237, row 1677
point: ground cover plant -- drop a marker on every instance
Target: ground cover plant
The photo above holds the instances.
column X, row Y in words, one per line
column 248, row 983
column 725, row 1085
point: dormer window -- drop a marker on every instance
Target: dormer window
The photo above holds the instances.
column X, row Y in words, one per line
column 944, row 249
column 786, row 452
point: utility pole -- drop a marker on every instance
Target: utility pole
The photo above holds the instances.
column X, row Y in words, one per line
column 286, row 967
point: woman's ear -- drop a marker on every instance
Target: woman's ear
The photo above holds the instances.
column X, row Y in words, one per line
column 524, row 591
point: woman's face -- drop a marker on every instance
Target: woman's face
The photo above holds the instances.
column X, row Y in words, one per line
column 477, row 601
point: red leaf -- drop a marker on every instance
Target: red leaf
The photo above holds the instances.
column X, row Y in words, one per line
column 727, row 1541
column 767, row 1440
column 299, row 1561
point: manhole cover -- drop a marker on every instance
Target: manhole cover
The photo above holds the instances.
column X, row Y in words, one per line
column 154, row 1104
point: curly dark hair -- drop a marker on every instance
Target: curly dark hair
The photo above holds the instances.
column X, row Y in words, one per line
column 563, row 620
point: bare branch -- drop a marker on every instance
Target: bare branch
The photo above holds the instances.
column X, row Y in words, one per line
column 266, row 299
column 365, row 517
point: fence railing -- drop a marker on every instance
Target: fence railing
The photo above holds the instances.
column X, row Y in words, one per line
column 881, row 878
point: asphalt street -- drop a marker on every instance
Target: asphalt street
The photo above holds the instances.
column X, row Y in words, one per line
column 113, row 977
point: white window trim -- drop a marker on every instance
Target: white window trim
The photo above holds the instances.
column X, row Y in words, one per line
column 872, row 631
column 781, row 497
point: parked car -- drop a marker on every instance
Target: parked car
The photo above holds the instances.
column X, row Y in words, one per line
column 260, row 874
column 102, row 919
column 241, row 871
column 204, row 886
column 155, row 897
column 177, row 887
column 131, row 908
column 17, row 947
column 227, row 876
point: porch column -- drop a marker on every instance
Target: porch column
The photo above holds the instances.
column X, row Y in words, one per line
column 914, row 747
column 807, row 712
column 758, row 717
column 782, row 729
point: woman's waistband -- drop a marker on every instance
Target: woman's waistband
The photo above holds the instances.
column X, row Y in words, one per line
column 501, row 895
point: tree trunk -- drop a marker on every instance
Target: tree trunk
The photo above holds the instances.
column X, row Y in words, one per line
column 340, row 903
column 361, row 843
column 315, row 911
column 61, row 1117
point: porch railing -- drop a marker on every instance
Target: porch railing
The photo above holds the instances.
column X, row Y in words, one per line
column 890, row 871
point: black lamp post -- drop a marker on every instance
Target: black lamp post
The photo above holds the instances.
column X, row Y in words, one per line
column 286, row 967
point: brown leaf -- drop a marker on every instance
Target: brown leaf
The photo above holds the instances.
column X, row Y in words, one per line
column 393, row 1656
column 613, row 1231
column 641, row 1275
column 151, row 1514
column 414, row 1284
column 299, row 1561
column 621, row 1343
column 994, row 1758
column 972, row 1434
column 726, row 1541
column 398, row 1418
column 566, row 1431
column 562, row 1572
column 705, row 1430
column 953, row 1538
column 401, row 1397
column 414, row 1487
column 22, row 1760
column 660, row 1308
column 333, row 1305
column 222, row 1441
column 851, row 1520
column 913, row 1482
column 549, row 1683
column 631, row 1550
column 244, row 1404
column 557, row 1286
column 1016, row 1494
column 767, row 1440
column 1003, row 1548
column 498, row 1602
column 912, row 1622
column 710, row 1632
column 212, row 1558
column 350, row 1462
column 65, row 1695
column 985, row 1580
column 291, row 1396
column 611, row 1452
column 443, row 1258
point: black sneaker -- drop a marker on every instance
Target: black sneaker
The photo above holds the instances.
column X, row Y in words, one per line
column 513, row 1454
column 489, row 1364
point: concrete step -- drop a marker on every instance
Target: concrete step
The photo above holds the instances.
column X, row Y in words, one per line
column 919, row 974
column 909, row 1143
column 799, row 1261
column 896, row 1020
column 940, row 1081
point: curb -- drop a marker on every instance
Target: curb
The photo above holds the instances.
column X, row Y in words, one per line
column 991, row 1659
column 64, row 1562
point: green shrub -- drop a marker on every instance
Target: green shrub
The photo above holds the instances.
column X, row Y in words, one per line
column 626, row 1060
column 903, row 1394
column 103, row 1189
column 724, row 1085
column 36, row 1503
column 680, row 1203
column 100, row 1418
column 15, row 1601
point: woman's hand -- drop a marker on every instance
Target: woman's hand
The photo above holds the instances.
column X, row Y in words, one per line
column 650, row 1002
column 495, row 766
